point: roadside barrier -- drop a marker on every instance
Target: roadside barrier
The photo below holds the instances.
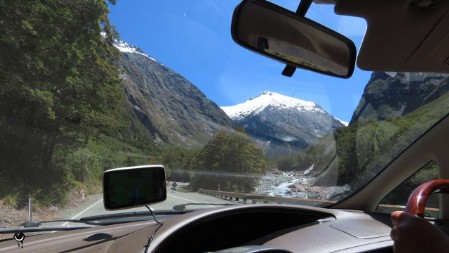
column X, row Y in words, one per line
column 259, row 198
column 247, row 198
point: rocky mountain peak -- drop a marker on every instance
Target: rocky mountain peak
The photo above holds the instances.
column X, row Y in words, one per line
column 168, row 105
column 390, row 94
column 125, row 47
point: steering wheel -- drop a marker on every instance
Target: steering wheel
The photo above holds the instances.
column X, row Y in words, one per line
column 417, row 200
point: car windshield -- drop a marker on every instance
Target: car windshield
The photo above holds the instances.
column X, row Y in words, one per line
column 87, row 86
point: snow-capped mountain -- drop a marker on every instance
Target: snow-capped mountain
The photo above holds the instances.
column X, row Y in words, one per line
column 164, row 103
column 124, row 47
column 258, row 104
column 282, row 124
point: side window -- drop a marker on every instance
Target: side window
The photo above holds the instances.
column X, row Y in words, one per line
column 397, row 199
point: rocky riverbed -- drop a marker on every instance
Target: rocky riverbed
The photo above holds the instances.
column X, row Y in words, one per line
column 296, row 185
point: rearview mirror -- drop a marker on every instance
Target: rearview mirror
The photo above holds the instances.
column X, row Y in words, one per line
column 133, row 186
column 280, row 34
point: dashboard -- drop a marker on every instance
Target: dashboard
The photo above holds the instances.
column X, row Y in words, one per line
column 240, row 228
column 279, row 228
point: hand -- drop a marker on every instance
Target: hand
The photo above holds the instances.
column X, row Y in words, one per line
column 411, row 233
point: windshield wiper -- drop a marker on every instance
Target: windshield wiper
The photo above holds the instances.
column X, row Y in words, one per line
column 182, row 207
column 42, row 229
column 98, row 220
column 36, row 227
column 115, row 218
column 88, row 222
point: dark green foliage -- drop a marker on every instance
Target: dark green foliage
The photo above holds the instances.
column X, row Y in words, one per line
column 58, row 89
column 230, row 160
column 178, row 163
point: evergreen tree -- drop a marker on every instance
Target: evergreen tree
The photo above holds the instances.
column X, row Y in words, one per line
column 230, row 160
column 58, row 86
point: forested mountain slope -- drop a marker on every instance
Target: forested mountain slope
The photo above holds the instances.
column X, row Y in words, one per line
column 395, row 109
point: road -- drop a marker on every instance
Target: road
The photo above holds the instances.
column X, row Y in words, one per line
column 96, row 207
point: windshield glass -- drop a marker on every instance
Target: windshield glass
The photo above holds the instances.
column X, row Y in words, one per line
column 89, row 86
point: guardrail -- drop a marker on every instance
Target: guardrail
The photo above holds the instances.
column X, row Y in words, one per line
column 259, row 198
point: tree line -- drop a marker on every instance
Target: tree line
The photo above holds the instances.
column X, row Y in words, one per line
column 230, row 161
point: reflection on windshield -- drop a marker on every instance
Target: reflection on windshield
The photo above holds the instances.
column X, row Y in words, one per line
column 77, row 100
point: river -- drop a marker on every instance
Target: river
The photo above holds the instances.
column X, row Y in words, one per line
column 296, row 185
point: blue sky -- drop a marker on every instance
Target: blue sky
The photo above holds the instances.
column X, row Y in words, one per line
column 193, row 38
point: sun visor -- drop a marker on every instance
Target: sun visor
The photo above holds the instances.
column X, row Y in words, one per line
column 402, row 35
